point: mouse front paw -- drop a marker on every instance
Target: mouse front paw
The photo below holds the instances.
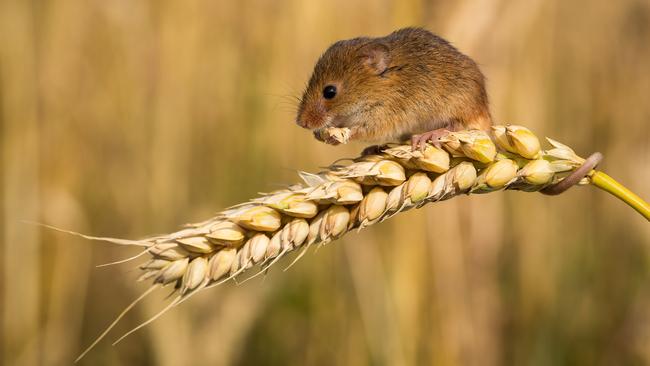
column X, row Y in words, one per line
column 419, row 141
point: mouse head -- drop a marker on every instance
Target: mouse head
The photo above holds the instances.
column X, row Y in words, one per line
column 344, row 84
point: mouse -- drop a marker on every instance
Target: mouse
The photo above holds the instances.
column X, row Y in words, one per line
column 409, row 85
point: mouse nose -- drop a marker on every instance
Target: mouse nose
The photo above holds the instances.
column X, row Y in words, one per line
column 311, row 117
column 310, row 122
column 300, row 118
column 305, row 120
column 301, row 122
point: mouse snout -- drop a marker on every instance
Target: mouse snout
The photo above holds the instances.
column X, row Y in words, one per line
column 312, row 116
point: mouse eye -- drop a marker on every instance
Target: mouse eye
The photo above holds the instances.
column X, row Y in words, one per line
column 329, row 92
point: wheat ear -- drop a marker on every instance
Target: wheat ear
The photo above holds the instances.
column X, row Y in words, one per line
column 349, row 196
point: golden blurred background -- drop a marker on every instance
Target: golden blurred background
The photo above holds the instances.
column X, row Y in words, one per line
column 129, row 118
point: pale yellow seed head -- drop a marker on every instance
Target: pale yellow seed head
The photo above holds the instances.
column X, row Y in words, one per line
column 168, row 251
column 377, row 171
column 304, row 209
column 258, row 245
column 451, row 143
column 221, row 262
column 518, row 140
column 478, row 146
column 358, row 170
column 295, row 205
column 226, row 233
column 196, row 244
column 395, row 198
column 417, row 187
column 498, row 174
column 181, row 257
column 563, row 165
column 320, row 191
column 314, row 227
column 340, row 191
column 274, row 247
column 335, row 222
column 244, row 255
column 502, row 140
column 439, row 185
column 281, row 200
column 354, row 217
column 524, row 141
column 433, row 160
column 285, row 238
column 348, row 192
column 390, row 173
column 195, row 275
column 259, row 218
column 404, row 154
column 537, row 172
column 564, row 157
column 458, row 179
column 464, row 176
column 297, row 231
column 373, row 205
column 173, row 271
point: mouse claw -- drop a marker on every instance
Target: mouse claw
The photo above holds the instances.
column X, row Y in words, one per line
column 419, row 141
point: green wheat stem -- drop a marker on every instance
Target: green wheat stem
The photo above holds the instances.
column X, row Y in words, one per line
column 608, row 184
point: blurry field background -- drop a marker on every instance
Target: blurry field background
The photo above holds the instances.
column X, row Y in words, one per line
column 128, row 118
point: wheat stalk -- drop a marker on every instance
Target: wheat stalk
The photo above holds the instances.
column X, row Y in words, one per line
column 344, row 197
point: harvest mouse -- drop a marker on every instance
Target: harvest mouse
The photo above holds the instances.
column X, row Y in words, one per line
column 410, row 84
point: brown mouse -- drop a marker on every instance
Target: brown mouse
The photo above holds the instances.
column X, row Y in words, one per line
column 409, row 84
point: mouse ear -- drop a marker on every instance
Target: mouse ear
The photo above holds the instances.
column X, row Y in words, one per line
column 375, row 57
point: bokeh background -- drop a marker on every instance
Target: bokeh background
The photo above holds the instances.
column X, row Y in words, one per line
column 128, row 118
